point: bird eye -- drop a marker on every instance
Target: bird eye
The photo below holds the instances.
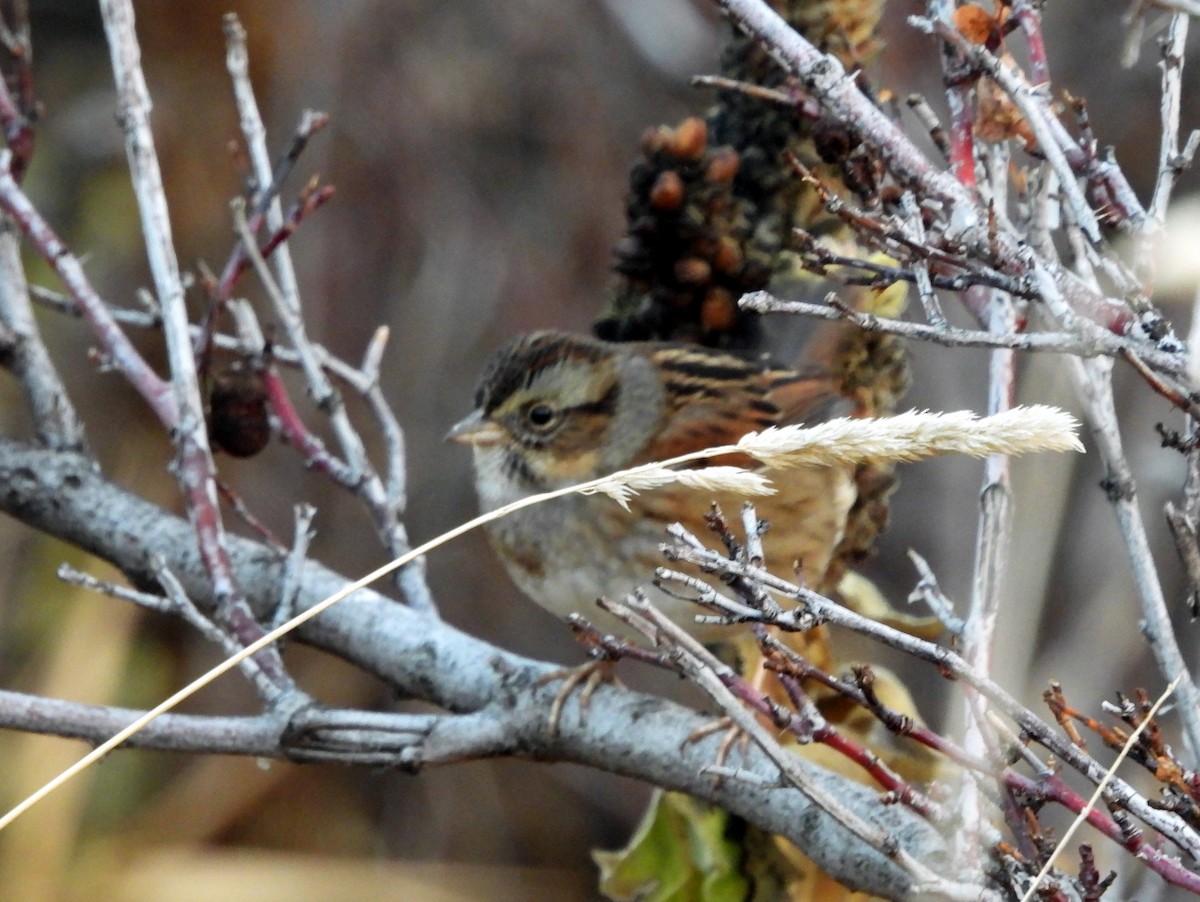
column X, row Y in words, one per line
column 541, row 416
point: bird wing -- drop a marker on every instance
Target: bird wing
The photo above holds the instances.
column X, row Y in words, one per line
column 715, row 399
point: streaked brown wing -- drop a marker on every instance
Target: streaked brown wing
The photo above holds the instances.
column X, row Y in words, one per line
column 715, row 399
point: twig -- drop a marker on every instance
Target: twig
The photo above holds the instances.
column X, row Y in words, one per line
column 993, row 540
column 826, row 80
column 1095, row 382
column 928, row 591
column 1100, row 788
column 1029, row 16
column 144, row 319
column 706, row 670
column 1033, row 109
column 76, row 577
column 1094, row 343
column 296, row 433
column 54, row 416
column 1170, row 161
column 183, row 607
column 312, row 198
column 814, row 605
column 116, row 345
column 929, row 121
column 1188, row 7
column 958, row 99
column 17, row 114
column 386, row 508
column 247, row 516
column 759, row 92
column 195, row 469
column 933, row 309
column 396, row 480
column 289, row 585
column 965, row 222
column 1187, row 544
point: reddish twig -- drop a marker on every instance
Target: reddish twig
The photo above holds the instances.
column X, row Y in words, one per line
column 1029, row 17
column 1051, row 787
column 297, row 434
column 117, row 347
column 195, row 470
column 312, row 198
column 264, row 532
column 807, row 724
column 17, row 114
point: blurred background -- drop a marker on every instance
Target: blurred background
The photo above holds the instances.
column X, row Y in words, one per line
column 480, row 152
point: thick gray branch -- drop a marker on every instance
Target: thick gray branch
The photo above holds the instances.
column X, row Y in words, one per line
column 500, row 704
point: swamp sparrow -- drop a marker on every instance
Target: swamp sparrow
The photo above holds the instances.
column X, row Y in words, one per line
column 555, row 409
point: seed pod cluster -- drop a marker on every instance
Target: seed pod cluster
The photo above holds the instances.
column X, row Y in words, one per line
column 694, row 245
column 712, row 202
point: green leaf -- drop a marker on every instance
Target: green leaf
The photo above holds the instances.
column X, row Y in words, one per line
column 679, row 853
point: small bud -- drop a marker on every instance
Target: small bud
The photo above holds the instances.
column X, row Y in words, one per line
column 723, row 166
column 728, row 257
column 655, row 140
column 718, row 312
column 666, row 194
column 689, row 139
column 692, row 271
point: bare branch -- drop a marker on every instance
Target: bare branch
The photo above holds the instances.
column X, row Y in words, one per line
column 386, row 507
column 196, row 471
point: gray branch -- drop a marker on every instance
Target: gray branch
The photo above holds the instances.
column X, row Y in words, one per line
column 495, row 702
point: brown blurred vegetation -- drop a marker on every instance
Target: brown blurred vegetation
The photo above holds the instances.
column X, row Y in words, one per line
column 479, row 151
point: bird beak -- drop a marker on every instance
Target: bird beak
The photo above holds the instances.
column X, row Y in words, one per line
column 473, row 429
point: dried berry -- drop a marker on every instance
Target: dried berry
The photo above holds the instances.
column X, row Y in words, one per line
column 975, row 23
column 238, row 421
column 833, row 141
